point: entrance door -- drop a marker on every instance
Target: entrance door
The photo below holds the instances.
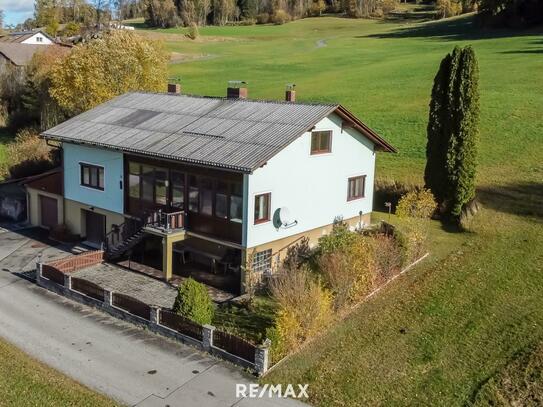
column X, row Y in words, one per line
column 96, row 227
column 48, row 211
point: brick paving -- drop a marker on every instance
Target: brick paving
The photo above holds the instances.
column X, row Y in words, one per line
column 142, row 287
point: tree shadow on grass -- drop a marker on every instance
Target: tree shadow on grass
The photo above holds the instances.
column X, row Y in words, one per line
column 528, row 50
column 524, row 199
column 455, row 29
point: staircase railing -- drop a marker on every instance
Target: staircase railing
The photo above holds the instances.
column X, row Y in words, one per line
column 158, row 219
column 119, row 233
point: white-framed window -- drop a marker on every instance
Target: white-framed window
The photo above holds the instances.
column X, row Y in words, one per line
column 92, row 176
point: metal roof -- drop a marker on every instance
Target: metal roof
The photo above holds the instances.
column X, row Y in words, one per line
column 235, row 134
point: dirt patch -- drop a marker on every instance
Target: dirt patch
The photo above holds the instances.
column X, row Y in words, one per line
column 154, row 35
column 179, row 58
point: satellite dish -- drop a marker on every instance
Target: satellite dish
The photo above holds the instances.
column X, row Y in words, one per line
column 283, row 219
column 284, row 216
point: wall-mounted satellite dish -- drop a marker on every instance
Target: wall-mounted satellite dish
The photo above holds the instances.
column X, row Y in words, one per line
column 283, row 218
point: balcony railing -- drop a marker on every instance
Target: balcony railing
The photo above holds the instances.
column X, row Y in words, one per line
column 166, row 221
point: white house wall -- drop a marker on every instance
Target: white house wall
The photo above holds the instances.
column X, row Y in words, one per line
column 312, row 187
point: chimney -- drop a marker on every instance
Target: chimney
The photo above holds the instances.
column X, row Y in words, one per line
column 290, row 93
column 237, row 90
column 174, row 88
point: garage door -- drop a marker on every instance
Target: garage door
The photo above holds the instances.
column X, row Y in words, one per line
column 48, row 211
column 96, row 227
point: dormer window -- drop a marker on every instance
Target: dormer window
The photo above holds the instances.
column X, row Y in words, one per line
column 321, row 142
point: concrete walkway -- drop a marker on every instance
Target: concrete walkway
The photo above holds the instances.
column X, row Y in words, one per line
column 120, row 360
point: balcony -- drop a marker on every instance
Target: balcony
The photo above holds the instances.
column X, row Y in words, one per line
column 165, row 222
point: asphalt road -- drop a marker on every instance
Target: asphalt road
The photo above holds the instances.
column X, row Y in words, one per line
column 118, row 359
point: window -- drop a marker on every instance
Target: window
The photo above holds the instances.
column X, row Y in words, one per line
column 356, row 186
column 262, row 208
column 161, row 186
column 178, row 189
column 221, row 200
column 193, row 194
column 236, row 202
column 39, row 39
column 262, row 261
column 321, row 142
column 92, row 176
column 206, row 196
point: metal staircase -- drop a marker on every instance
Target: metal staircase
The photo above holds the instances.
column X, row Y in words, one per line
column 125, row 236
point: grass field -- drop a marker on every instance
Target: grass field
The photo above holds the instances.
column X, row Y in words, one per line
column 27, row 382
column 477, row 302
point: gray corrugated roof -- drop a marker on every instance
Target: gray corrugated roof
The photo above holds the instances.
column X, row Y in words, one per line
column 230, row 133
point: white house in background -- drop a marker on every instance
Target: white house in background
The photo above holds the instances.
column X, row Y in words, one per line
column 197, row 186
column 28, row 37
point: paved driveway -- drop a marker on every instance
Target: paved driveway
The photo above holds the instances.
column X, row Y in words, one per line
column 113, row 357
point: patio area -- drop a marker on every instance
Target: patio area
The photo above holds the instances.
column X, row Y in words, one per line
column 144, row 287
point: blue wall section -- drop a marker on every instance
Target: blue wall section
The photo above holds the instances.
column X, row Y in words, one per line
column 111, row 198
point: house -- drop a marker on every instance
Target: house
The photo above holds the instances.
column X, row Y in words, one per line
column 17, row 49
column 198, row 186
column 28, row 38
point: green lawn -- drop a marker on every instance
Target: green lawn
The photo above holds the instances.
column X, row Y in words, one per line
column 27, row 382
column 477, row 301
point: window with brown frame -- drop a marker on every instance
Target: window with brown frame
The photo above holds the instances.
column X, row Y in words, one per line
column 356, row 187
column 262, row 208
column 321, row 142
column 92, row 176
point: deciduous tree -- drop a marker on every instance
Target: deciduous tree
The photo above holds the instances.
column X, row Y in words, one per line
column 95, row 72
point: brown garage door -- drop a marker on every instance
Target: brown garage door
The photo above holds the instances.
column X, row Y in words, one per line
column 96, row 227
column 48, row 211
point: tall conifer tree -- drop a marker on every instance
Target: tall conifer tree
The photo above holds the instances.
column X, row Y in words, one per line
column 451, row 149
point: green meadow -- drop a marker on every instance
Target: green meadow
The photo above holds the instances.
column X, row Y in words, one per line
column 438, row 334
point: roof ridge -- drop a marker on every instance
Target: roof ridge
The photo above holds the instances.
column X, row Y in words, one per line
column 271, row 101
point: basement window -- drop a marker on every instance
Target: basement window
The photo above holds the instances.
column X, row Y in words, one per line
column 321, row 142
column 92, row 176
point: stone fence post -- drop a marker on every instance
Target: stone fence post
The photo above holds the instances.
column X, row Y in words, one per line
column 207, row 336
column 39, row 265
column 67, row 282
column 108, row 298
column 262, row 357
column 154, row 317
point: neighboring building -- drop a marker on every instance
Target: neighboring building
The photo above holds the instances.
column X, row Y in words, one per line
column 44, row 199
column 168, row 178
column 28, row 37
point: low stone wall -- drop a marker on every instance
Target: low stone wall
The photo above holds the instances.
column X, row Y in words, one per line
column 259, row 365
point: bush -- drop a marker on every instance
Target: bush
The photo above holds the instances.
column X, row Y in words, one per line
column 412, row 239
column 193, row 32
column 417, row 204
column 297, row 254
column 193, row 302
column 304, row 309
column 339, row 238
column 28, row 155
column 389, row 257
column 349, row 271
column 448, row 8
column 71, row 29
column 280, row 17
column 263, row 18
column 388, row 6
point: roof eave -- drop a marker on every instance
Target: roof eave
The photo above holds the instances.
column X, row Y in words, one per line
column 201, row 163
column 380, row 143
